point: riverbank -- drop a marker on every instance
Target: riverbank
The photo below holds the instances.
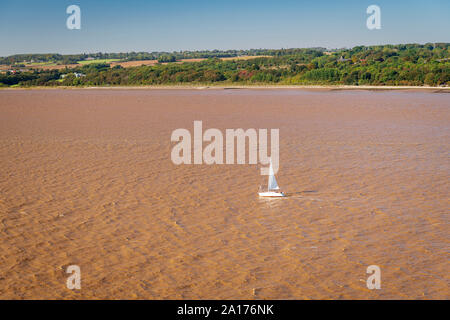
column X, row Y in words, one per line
column 228, row 87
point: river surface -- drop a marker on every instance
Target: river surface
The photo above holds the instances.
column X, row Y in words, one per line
column 86, row 179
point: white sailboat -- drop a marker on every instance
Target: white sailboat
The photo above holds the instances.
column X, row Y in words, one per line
column 272, row 186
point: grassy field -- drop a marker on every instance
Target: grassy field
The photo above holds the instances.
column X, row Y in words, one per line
column 40, row 64
column 97, row 61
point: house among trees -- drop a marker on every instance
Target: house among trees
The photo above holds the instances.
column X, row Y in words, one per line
column 341, row 59
column 76, row 74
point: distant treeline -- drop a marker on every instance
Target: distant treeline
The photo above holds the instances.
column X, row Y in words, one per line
column 408, row 64
column 134, row 56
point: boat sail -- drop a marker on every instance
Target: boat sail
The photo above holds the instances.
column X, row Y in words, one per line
column 272, row 185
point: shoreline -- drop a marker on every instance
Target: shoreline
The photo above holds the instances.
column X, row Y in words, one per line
column 228, row 87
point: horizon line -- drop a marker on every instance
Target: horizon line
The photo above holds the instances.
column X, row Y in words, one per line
column 225, row 50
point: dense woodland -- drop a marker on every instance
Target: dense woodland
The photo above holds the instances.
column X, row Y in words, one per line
column 408, row 64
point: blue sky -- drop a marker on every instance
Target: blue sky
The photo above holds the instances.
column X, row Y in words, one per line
column 168, row 25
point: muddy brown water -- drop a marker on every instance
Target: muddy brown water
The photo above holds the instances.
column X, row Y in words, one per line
column 86, row 179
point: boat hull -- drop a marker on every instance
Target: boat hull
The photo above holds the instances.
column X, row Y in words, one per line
column 271, row 194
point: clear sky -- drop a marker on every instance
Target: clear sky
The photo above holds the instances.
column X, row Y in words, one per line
column 168, row 25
